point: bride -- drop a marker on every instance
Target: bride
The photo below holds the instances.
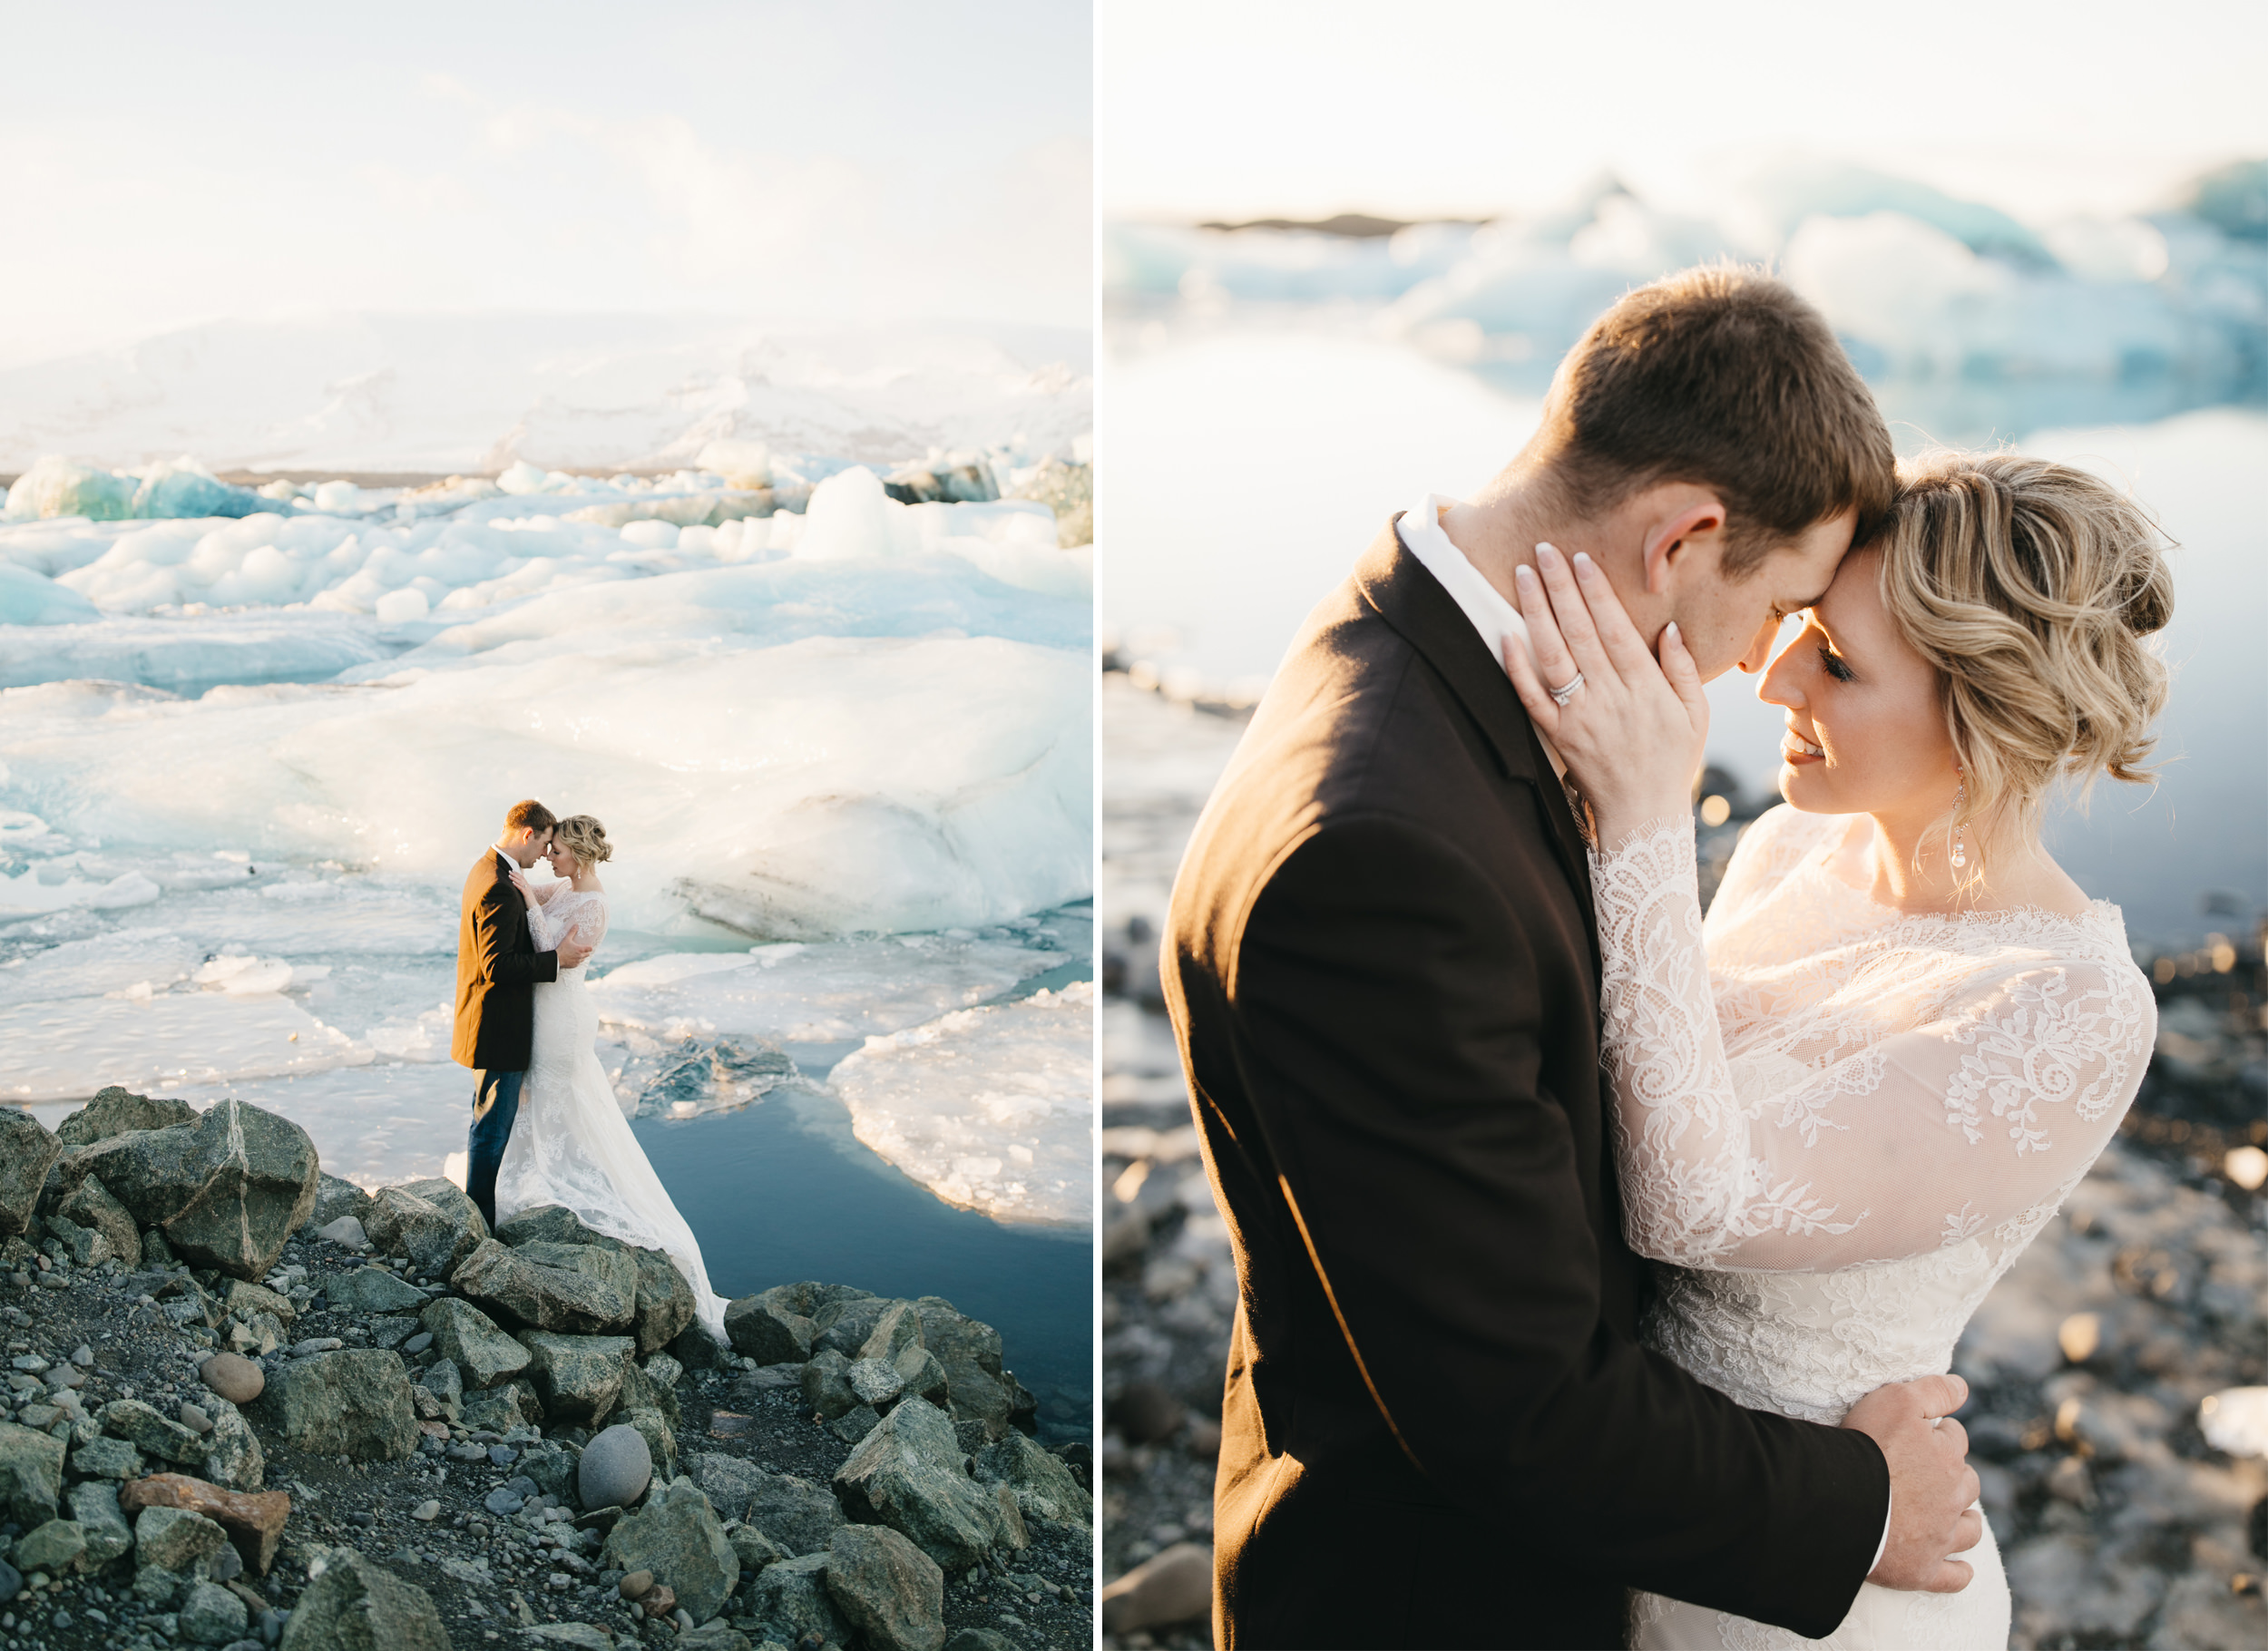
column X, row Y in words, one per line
column 571, row 1145
column 1847, row 1102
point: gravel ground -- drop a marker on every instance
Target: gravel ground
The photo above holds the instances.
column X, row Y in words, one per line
column 490, row 1577
column 2119, row 1525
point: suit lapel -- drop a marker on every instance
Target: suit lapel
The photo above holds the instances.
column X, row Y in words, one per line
column 1411, row 601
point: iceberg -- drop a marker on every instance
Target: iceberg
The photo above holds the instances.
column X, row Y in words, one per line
column 990, row 1109
column 31, row 599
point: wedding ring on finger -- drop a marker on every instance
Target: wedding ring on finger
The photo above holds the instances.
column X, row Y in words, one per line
column 1560, row 696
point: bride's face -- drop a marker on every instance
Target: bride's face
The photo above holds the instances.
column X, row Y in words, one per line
column 1865, row 733
column 561, row 863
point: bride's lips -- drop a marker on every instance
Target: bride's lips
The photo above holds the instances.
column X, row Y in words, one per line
column 1797, row 751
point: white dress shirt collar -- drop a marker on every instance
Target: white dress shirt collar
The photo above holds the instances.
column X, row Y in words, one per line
column 1492, row 616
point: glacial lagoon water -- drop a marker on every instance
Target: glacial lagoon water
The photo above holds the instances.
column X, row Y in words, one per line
column 1254, row 462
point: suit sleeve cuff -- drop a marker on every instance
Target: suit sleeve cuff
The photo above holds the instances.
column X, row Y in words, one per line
column 1882, row 1546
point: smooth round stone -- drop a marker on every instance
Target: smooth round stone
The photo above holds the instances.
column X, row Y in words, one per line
column 345, row 1231
column 194, row 1419
column 637, row 1585
column 427, row 1512
column 418, row 1343
column 504, row 1456
column 616, row 1467
column 503, row 1502
column 83, row 1356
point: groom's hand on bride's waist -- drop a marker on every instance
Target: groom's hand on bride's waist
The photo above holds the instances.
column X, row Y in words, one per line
column 1932, row 1489
column 571, row 953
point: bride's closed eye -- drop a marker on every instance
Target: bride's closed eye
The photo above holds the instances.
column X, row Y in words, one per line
column 1835, row 666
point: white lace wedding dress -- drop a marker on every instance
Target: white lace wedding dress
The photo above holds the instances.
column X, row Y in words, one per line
column 1838, row 1127
column 571, row 1145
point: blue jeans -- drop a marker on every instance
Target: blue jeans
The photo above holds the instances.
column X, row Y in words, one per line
column 495, row 1103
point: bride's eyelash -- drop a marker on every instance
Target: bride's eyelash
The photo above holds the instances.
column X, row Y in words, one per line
column 1836, row 668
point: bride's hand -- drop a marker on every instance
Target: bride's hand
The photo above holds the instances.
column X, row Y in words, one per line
column 520, row 881
column 1633, row 734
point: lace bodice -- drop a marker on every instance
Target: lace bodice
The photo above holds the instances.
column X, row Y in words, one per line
column 585, row 913
column 1833, row 1089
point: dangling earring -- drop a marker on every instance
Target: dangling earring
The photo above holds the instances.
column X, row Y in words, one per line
column 1960, row 852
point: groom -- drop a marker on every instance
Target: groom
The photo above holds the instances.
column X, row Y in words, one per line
column 1439, row 1427
column 497, row 971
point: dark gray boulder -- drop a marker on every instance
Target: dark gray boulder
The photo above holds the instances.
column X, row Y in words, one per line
column 373, row 1290
column 765, row 1328
column 228, row 1189
column 802, row 1518
column 546, row 1224
column 357, row 1605
column 90, row 1205
column 664, row 1307
column 94, row 1507
column 572, row 1289
column 969, row 1350
column 1044, row 1486
column 577, row 1377
column 152, row 1434
column 354, row 1402
column 844, row 1325
column 431, row 1222
column 789, row 1602
column 469, row 1339
column 114, row 1111
column 890, row 1590
column 827, row 1387
column 678, row 1536
column 26, row 1154
column 335, row 1197
column 907, row 1474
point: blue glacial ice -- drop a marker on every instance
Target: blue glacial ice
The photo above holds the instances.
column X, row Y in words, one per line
column 843, row 751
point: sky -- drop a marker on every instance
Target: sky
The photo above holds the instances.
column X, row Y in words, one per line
column 1409, row 108
column 863, row 160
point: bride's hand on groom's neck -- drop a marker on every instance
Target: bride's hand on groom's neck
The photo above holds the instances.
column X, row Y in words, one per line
column 1630, row 728
column 1933, row 1489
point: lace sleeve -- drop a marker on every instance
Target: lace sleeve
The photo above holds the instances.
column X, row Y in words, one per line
column 1970, row 1119
column 542, row 928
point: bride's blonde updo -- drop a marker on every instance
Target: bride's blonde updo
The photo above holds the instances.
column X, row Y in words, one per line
column 2030, row 585
column 583, row 837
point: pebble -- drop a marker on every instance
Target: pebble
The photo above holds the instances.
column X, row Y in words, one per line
column 194, row 1419
column 234, row 1377
column 346, row 1231
column 504, row 1456
column 504, row 1501
column 427, row 1511
column 318, row 1343
column 636, row 1584
column 83, row 1356
column 418, row 1343
column 361, row 1516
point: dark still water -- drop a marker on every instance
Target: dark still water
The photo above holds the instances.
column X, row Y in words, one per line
column 779, row 1191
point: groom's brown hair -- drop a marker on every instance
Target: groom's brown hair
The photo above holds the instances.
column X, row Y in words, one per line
column 1719, row 376
column 529, row 815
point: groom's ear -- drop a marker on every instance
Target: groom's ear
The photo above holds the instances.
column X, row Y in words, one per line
column 1688, row 518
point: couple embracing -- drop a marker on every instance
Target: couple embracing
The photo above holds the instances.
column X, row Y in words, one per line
column 1600, row 1268
column 546, row 1128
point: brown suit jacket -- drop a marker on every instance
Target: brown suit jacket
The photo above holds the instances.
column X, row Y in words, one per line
column 497, row 970
column 1439, row 1428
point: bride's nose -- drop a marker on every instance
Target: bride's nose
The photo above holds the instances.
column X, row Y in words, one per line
column 1779, row 685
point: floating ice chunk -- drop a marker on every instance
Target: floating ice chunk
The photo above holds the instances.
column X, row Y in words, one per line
column 850, row 515
column 338, row 497
column 399, row 607
column 185, row 487
column 241, row 976
column 189, row 656
column 741, row 463
column 522, row 478
column 28, row 599
column 650, row 535
column 56, row 1050
column 92, row 968
column 132, row 888
column 795, row 992
column 57, row 487
column 990, row 1108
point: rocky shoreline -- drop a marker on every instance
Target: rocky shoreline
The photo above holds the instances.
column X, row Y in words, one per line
column 2120, row 1523
column 254, row 1406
